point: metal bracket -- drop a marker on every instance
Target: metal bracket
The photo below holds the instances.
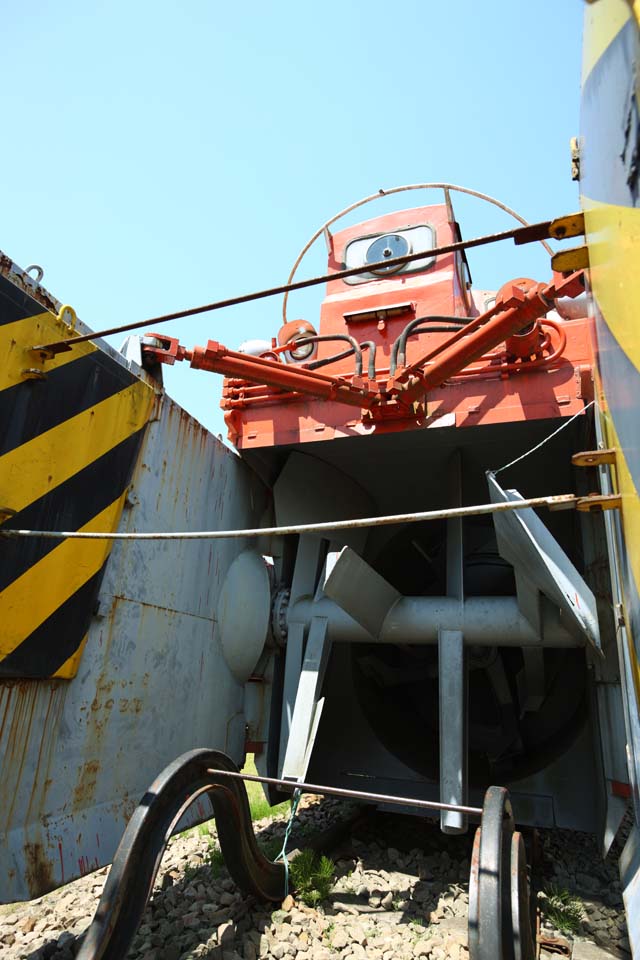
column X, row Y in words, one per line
column 594, row 458
column 570, row 226
column 596, row 503
column 568, row 261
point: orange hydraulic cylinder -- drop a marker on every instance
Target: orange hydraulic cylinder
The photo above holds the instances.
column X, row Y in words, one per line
column 462, row 350
column 219, row 359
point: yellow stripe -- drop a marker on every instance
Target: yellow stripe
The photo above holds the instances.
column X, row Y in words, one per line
column 34, row 596
column 17, row 338
column 625, row 486
column 35, row 468
column 603, row 20
column 613, row 235
column 69, row 668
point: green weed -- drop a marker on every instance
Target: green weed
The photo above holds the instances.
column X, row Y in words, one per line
column 311, row 877
column 258, row 803
column 562, row 910
column 213, row 859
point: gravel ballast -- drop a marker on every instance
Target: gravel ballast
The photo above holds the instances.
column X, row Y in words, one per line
column 401, row 891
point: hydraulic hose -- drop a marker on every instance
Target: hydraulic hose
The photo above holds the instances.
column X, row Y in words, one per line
column 433, row 324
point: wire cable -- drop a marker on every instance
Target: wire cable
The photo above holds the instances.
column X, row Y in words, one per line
column 556, row 501
column 546, row 439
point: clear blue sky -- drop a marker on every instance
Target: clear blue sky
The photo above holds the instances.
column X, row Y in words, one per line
column 160, row 155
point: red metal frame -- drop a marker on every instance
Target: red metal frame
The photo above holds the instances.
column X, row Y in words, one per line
column 268, row 401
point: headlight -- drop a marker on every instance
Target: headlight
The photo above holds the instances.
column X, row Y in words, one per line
column 293, row 331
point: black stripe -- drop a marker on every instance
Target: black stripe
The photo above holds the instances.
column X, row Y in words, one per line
column 15, row 304
column 31, row 408
column 68, row 507
column 610, row 127
column 54, row 641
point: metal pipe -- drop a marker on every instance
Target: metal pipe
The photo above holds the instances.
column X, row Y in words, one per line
column 484, row 621
column 349, row 794
column 534, row 232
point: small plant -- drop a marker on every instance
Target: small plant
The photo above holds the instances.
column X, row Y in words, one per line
column 327, row 936
column 258, row 803
column 561, row 910
column 213, row 859
column 312, row 877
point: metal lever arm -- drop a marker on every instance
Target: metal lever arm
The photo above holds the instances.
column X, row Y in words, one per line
column 138, row 856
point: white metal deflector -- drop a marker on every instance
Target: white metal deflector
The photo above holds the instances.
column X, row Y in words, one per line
column 542, row 567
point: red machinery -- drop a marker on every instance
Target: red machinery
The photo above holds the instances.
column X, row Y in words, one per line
column 401, row 346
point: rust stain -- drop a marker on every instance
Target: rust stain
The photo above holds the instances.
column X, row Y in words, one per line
column 29, row 717
column 86, row 785
column 39, row 870
column 61, row 862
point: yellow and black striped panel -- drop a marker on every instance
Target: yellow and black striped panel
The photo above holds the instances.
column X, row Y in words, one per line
column 69, row 437
column 610, row 187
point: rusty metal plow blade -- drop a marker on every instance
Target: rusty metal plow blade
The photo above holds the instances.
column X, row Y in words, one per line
column 138, row 856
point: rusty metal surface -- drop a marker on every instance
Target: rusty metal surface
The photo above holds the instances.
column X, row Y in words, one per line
column 76, row 757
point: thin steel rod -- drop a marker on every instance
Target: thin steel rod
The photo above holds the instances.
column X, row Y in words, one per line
column 534, row 230
column 350, row 794
column 560, row 501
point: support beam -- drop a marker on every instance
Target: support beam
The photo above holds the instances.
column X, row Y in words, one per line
column 453, row 728
column 452, row 673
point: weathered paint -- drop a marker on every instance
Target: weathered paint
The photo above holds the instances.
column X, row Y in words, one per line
column 70, row 431
column 610, row 196
column 75, row 758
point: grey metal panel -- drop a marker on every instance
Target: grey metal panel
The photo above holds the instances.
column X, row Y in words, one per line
column 616, row 548
column 75, row 757
column 630, row 877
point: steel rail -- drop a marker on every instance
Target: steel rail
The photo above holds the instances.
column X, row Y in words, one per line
column 351, row 794
column 563, row 501
column 519, row 235
column 137, row 859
